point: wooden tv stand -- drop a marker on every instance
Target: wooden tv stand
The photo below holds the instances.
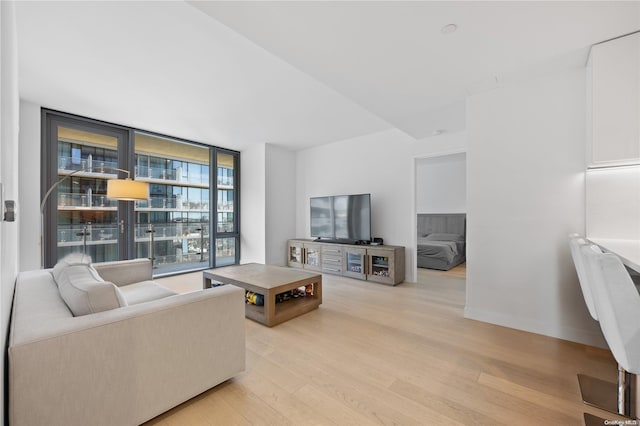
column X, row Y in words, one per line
column 383, row 264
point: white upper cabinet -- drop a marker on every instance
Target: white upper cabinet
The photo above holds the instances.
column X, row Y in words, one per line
column 613, row 92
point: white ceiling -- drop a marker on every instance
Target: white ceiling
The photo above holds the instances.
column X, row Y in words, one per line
column 297, row 74
column 169, row 68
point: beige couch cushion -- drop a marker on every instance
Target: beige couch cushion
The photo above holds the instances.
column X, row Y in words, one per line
column 145, row 291
column 125, row 272
column 85, row 293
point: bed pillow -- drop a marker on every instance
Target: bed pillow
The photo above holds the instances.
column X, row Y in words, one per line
column 444, row 237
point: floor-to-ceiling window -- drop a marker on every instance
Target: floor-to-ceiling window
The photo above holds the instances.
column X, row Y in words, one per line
column 78, row 216
column 172, row 228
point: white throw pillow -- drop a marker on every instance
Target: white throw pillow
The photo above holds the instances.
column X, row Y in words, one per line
column 84, row 293
column 69, row 260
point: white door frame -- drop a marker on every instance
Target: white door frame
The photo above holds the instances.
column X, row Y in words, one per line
column 414, row 209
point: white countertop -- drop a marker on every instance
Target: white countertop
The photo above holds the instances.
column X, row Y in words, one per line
column 628, row 250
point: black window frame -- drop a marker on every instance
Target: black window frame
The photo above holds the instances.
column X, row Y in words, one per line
column 50, row 119
column 213, row 194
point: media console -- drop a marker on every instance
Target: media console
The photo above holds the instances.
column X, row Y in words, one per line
column 383, row 264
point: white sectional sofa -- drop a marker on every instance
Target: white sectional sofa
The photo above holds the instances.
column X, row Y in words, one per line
column 123, row 365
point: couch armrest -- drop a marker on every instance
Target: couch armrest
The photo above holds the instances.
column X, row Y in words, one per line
column 125, row 272
column 128, row 365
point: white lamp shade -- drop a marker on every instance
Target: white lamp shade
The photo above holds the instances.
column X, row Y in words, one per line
column 127, row 189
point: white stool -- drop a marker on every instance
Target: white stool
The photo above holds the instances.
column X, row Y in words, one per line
column 617, row 305
column 575, row 243
column 595, row 392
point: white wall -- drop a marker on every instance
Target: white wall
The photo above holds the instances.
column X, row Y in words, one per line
column 29, row 160
column 383, row 164
column 280, row 210
column 9, row 129
column 441, row 184
column 443, row 144
column 380, row 164
column 613, row 203
column 525, row 194
column 252, row 204
column 267, row 204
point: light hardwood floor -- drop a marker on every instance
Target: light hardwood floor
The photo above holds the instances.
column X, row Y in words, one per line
column 425, row 274
column 403, row 355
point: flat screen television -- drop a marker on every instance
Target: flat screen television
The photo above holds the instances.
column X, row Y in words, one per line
column 341, row 218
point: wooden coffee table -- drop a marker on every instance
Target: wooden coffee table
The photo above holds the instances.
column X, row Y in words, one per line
column 269, row 280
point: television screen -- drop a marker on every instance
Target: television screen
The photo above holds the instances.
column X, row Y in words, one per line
column 321, row 217
column 341, row 217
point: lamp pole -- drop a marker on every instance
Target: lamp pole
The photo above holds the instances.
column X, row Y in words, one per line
column 50, row 191
column 55, row 185
column 151, row 231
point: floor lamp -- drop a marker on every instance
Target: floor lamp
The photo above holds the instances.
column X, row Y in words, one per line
column 117, row 189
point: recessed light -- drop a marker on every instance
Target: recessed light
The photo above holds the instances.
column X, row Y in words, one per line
column 437, row 132
column 449, row 28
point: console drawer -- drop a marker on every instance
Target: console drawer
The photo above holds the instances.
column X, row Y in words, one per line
column 332, row 260
column 330, row 269
column 332, row 251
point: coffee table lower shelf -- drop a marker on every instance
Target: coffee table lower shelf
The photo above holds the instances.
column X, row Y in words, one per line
column 269, row 281
column 284, row 311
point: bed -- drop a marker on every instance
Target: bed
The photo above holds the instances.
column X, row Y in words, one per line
column 441, row 240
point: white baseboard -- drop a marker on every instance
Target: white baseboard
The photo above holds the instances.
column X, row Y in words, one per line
column 586, row 337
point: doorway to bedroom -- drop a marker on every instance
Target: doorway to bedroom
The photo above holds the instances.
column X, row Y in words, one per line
column 440, row 200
